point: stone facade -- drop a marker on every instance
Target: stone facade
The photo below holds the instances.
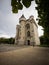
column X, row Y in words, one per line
column 27, row 32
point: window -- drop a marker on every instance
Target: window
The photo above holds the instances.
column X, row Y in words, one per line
column 32, row 30
column 28, row 34
column 27, row 26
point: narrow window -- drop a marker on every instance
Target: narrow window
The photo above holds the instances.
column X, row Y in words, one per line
column 28, row 34
column 27, row 26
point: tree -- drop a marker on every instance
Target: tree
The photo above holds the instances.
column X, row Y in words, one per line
column 43, row 12
column 11, row 40
column 44, row 41
column 7, row 40
column 18, row 4
column 43, row 15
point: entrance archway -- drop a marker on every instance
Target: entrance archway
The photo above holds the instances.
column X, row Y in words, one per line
column 28, row 42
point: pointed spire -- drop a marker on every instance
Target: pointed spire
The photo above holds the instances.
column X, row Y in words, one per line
column 22, row 16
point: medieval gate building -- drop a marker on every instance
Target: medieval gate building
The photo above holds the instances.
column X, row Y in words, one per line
column 27, row 32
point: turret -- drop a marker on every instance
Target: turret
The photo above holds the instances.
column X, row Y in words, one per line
column 31, row 18
column 22, row 18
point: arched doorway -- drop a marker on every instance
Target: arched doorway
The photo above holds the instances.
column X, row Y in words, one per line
column 28, row 42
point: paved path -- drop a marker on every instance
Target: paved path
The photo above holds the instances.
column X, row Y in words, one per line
column 25, row 56
column 10, row 47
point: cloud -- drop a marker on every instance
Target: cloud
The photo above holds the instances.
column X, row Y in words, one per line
column 40, row 31
column 4, row 35
column 8, row 20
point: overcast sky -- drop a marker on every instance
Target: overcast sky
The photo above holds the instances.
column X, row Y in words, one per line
column 8, row 20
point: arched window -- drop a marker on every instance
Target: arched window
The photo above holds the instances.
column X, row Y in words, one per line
column 28, row 34
column 27, row 26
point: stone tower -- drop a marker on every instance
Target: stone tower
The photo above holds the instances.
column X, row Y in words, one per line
column 27, row 32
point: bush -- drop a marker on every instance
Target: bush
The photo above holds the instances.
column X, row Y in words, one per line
column 44, row 41
column 7, row 40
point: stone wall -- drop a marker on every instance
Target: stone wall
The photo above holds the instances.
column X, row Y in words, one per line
column 21, row 35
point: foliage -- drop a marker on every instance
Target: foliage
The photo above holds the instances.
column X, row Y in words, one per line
column 18, row 4
column 7, row 40
column 44, row 41
column 43, row 15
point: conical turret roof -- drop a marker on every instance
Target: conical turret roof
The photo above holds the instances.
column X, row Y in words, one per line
column 22, row 18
